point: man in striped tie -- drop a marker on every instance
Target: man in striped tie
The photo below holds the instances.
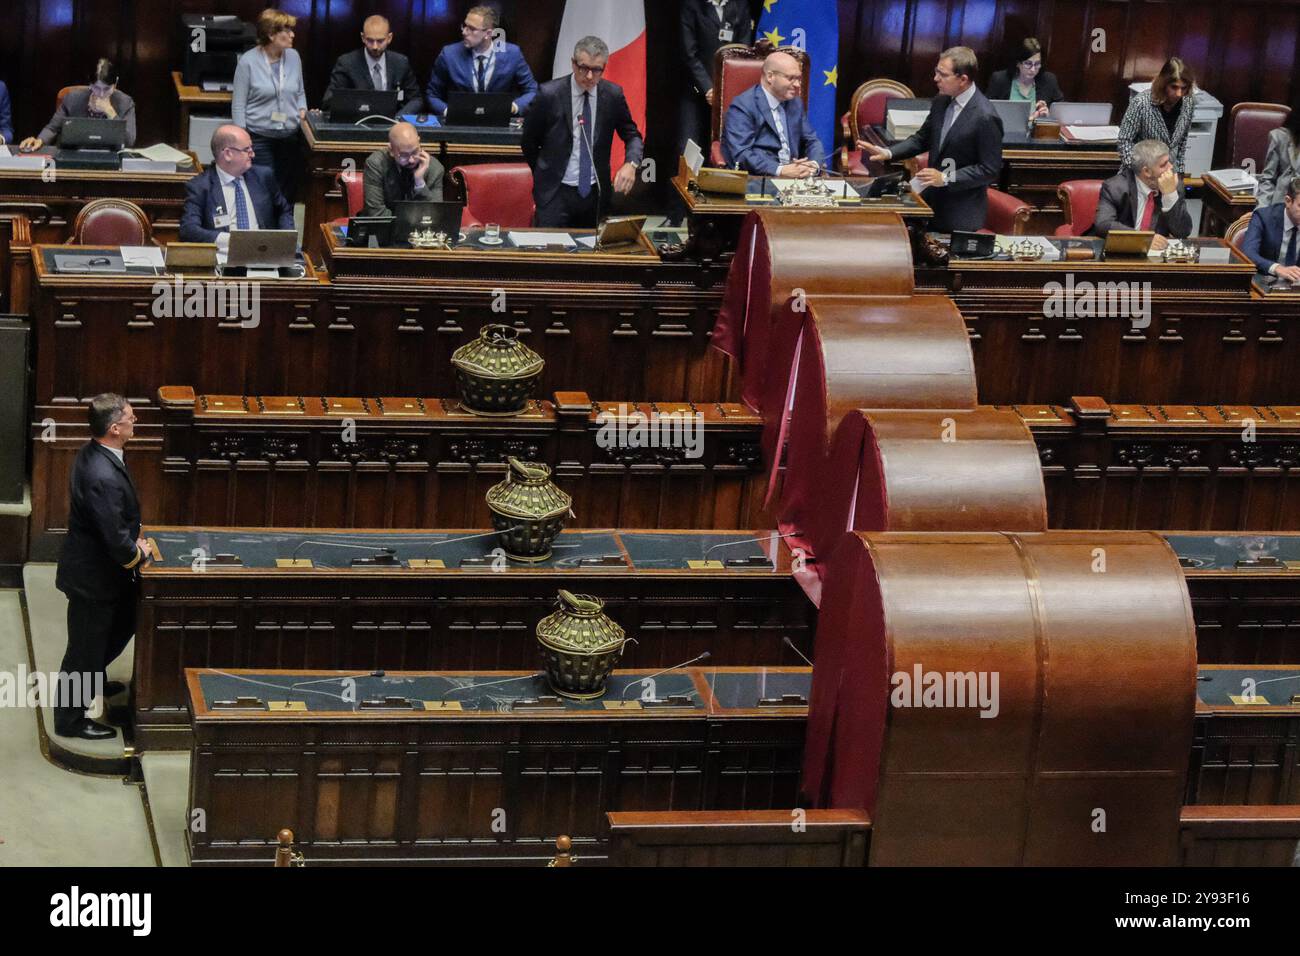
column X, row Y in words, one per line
column 1273, row 239
column 1147, row 196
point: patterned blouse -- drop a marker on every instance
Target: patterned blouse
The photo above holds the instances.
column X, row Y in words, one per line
column 1144, row 120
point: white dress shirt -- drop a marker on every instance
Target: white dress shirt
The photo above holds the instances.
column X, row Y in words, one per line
column 958, row 104
column 1144, row 195
column 116, row 451
column 575, row 114
column 778, row 117
column 488, row 69
column 228, row 196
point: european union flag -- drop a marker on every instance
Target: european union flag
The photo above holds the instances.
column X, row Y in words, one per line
column 813, row 25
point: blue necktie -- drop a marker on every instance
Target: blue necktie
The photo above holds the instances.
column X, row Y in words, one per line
column 482, row 72
column 241, row 206
column 584, row 154
column 1290, row 247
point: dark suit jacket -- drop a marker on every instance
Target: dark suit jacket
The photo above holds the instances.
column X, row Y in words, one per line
column 974, row 144
column 6, row 115
column 100, row 555
column 77, row 103
column 1263, row 241
column 1118, row 201
column 1046, row 87
column 548, row 135
column 700, row 41
column 204, row 201
column 750, row 136
column 386, row 183
column 352, row 72
column 454, row 70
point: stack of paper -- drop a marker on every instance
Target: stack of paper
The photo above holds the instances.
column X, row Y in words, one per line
column 523, row 237
column 1234, row 179
column 1094, row 134
column 900, row 124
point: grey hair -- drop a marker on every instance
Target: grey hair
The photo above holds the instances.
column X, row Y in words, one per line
column 592, row 46
column 1147, row 153
column 105, row 409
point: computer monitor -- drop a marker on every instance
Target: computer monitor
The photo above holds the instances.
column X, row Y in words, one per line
column 1080, row 114
column 1014, row 114
column 262, row 248
column 478, row 109
column 425, row 216
column 367, row 231
column 85, row 132
column 349, row 106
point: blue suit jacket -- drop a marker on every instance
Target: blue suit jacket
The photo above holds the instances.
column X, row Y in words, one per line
column 6, row 115
column 204, row 201
column 1263, row 242
column 750, row 136
column 454, row 70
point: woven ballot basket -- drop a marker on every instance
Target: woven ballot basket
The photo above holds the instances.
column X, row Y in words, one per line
column 528, row 510
column 496, row 374
column 580, row 646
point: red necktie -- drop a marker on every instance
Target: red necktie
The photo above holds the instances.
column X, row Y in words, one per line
column 1149, row 212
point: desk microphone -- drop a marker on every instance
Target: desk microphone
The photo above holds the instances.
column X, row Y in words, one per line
column 332, row 544
column 766, row 537
column 697, row 659
column 790, row 644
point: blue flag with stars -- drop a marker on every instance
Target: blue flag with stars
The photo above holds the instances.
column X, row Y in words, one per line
column 813, row 25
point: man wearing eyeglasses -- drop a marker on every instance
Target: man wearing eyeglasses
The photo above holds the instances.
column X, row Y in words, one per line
column 481, row 63
column 375, row 67
column 963, row 135
column 232, row 193
column 101, row 99
column 568, row 134
column 767, row 130
column 402, row 172
column 98, row 567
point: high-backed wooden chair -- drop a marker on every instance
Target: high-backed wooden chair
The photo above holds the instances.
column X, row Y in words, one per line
column 112, row 222
column 1248, row 128
column 866, row 109
column 1237, row 231
column 736, row 68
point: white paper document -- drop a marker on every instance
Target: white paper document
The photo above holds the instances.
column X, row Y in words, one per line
column 917, row 185
column 1094, row 134
column 524, row 237
column 143, row 257
column 588, row 241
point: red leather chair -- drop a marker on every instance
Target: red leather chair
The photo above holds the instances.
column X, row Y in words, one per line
column 1007, row 215
column 866, row 109
column 58, row 100
column 1249, row 128
column 1237, row 231
column 736, row 68
column 112, row 222
column 1079, row 198
column 496, row 192
column 353, row 187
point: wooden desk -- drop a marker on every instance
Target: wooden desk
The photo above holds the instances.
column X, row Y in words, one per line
column 1220, row 208
column 740, row 838
column 15, row 263
column 330, row 148
column 492, row 780
column 197, row 100
column 476, row 612
column 51, row 204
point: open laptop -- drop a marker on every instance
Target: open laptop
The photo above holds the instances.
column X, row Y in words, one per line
column 1080, row 114
column 425, row 215
column 262, row 248
column 478, row 109
column 91, row 143
column 1014, row 114
column 349, row 106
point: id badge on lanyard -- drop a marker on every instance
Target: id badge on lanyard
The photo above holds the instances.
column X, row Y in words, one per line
column 279, row 116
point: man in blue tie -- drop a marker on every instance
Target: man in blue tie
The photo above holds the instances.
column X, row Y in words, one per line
column 1273, row 236
column 767, row 131
column 232, row 193
column 480, row 63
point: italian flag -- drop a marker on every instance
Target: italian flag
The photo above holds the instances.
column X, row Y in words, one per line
column 621, row 24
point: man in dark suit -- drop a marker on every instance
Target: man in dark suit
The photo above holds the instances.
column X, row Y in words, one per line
column 963, row 135
column 402, row 172
column 707, row 25
column 567, row 137
column 1147, row 195
column 480, row 63
column 1273, row 238
column 232, row 193
column 375, row 68
column 97, row 568
column 767, row 130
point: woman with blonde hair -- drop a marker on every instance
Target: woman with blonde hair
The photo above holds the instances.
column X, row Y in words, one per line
column 270, row 100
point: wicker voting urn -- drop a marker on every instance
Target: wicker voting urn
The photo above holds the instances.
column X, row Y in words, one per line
column 580, row 645
column 496, row 373
column 528, row 510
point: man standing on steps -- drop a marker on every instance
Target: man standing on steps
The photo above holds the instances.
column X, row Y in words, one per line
column 98, row 566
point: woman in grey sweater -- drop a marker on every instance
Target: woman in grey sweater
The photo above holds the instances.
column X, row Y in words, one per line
column 270, row 100
column 1282, row 161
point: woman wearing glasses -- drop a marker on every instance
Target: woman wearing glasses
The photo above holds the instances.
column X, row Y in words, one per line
column 1026, row 79
column 270, row 101
column 100, row 100
column 1164, row 113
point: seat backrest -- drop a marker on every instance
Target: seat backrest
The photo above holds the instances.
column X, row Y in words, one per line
column 58, row 100
column 1237, row 231
column 496, row 192
column 111, row 222
column 867, row 108
column 1249, row 126
column 353, row 186
column 1079, row 198
column 737, row 67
